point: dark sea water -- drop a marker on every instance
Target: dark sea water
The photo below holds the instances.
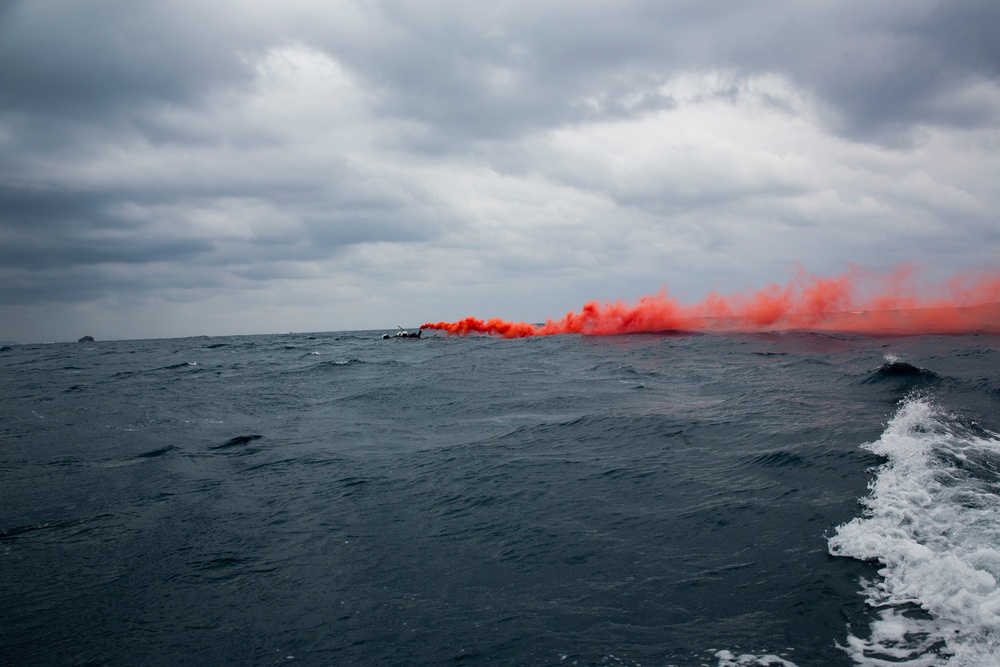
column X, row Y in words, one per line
column 339, row 499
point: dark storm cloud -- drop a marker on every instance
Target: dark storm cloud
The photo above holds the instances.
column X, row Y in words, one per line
column 880, row 68
column 468, row 73
column 29, row 254
column 473, row 74
column 27, row 206
column 485, row 73
column 884, row 68
column 89, row 58
column 47, row 227
column 58, row 244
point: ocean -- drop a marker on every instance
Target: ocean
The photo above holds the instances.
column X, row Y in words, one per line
column 648, row 499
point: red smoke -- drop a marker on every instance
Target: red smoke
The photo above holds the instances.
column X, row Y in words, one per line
column 857, row 301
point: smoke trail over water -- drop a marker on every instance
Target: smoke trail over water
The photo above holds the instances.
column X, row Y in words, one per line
column 857, row 301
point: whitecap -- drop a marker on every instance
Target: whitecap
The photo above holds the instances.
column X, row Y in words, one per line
column 932, row 520
column 728, row 659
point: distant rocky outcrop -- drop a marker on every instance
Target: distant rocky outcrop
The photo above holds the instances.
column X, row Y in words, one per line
column 86, row 339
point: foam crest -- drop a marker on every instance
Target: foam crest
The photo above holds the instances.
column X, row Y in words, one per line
column 728, row 659
column 932, row 520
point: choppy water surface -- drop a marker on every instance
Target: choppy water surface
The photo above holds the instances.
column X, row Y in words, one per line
column 627, row 500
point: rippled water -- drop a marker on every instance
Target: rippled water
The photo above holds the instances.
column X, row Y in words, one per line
column 649, row 499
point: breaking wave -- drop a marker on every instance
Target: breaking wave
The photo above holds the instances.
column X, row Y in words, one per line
column 932, row 520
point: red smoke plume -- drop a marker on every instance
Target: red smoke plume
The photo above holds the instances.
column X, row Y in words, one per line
column 857, row 301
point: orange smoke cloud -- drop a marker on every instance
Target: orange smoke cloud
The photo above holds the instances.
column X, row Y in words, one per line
column 857, row 301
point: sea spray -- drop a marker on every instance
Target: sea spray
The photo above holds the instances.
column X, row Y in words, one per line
column 932, row 520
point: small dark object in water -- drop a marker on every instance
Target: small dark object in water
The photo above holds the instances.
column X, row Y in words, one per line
column 239, row 440
column 403, row 333
column 86, row 339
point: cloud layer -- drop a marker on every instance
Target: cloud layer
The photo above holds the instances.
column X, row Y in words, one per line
column 176, row 168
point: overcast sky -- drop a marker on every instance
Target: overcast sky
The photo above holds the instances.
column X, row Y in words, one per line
column 176, row 168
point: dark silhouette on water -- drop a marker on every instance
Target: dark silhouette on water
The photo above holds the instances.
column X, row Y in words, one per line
column 403, row 333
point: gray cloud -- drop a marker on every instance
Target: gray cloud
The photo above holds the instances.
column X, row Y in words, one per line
column 80, row 60
column 521, row 157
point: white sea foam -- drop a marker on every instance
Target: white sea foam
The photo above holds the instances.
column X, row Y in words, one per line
column 728, row 659
column 932, row 520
